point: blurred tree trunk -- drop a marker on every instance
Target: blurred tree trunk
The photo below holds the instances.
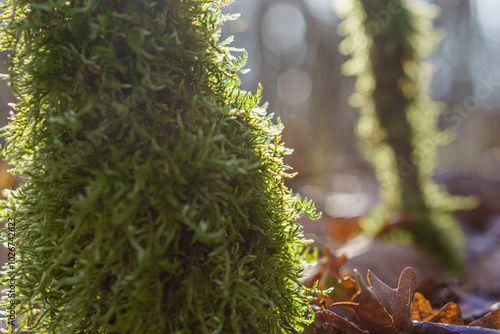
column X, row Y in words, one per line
column 388, row 59
column 388, row 42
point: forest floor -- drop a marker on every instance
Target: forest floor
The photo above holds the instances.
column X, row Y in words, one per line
column 346, row 258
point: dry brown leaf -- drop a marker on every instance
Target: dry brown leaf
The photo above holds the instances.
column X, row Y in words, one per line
column 343, row 289
column 448, row 314
column 376, row 308
column 422, row 309
column 6, row 179
column 379, row 308
column 329, row 277
column 396, row 303
column 490, row 320
column 437, row 328
column 335, row 263
column 342, row 323
column 331, row 267
column 343, row 229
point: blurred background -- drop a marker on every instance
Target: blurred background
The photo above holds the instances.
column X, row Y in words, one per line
column 292, row 48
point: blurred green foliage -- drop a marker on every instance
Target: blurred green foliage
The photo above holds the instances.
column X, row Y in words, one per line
column 388, row 42
column 153, row 198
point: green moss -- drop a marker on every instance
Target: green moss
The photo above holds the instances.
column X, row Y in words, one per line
column 153, row 198
column 388, row 42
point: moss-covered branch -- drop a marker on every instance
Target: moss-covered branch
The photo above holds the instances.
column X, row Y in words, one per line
column 154, row 197
column 388, row 41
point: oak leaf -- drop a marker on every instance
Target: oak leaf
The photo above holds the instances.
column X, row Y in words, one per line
column 379, row 308
column 490, row 320
column 329, row 277
column 422, row 309
column 448, row 314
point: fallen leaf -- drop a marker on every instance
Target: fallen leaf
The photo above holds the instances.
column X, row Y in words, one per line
column 6, row 179
column 330, row 265
column 448, row 314
column 376, row 308
column 343, row 289
column 422, row 309
column 396, row 304
column 342, row 228
column 342, row 323
column 433, row 328
column 327, row 276
column 490, row 320
column 335, row 263
column 379, row 308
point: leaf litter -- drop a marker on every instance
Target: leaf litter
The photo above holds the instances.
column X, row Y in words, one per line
column 376, row 308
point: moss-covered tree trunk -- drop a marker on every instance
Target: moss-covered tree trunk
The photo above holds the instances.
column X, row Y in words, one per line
column 154, row 197
column 388, row 58
column 388, row 41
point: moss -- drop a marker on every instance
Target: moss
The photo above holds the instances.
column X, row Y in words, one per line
column 153, row 198
column 388, row 43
